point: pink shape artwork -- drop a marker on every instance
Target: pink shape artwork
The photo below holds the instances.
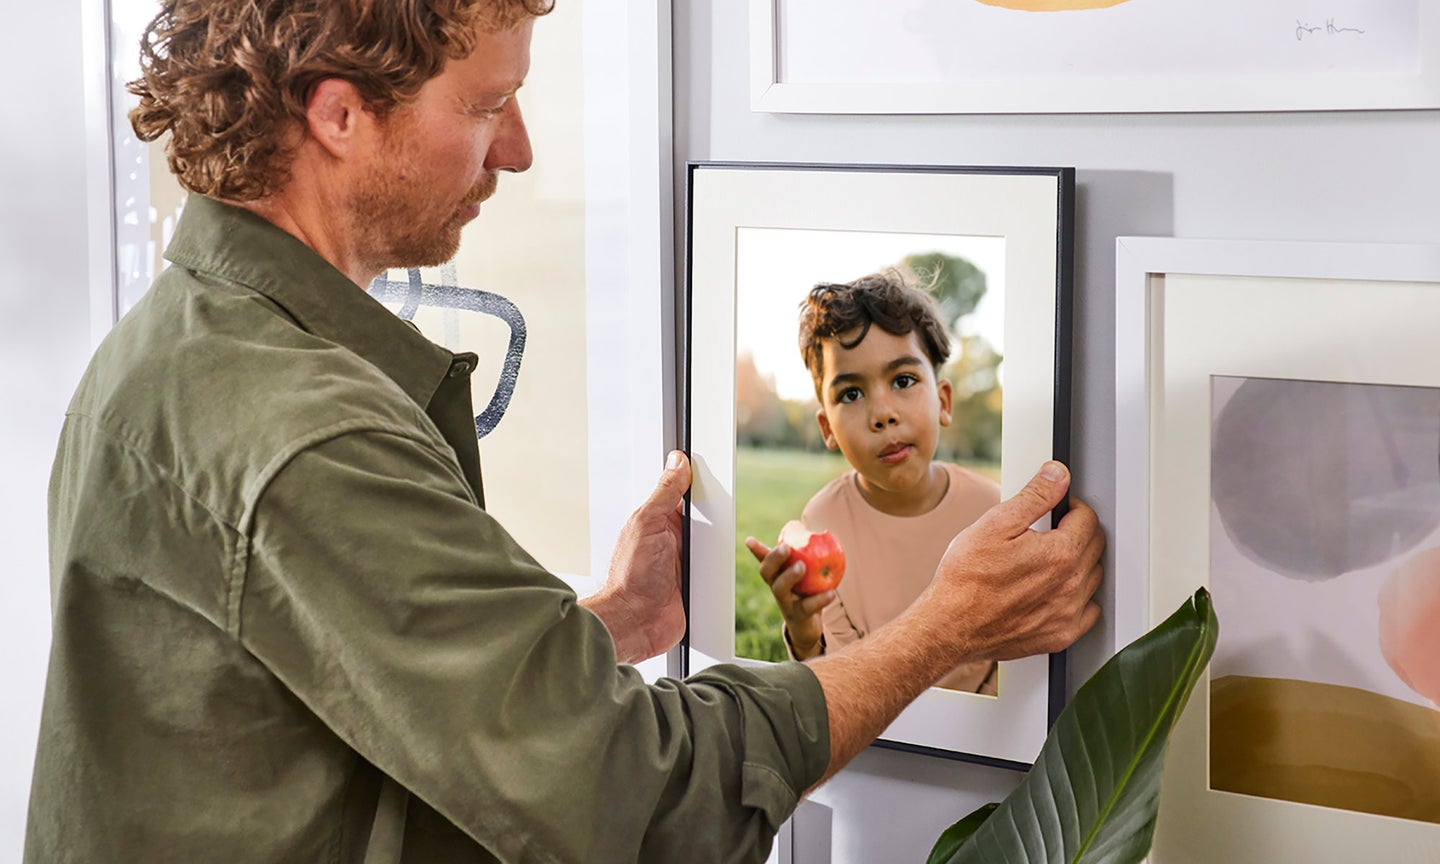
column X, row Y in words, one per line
column 1410, row 623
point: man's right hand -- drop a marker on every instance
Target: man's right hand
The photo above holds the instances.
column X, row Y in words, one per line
column 1015, row 591
column 1002, row 591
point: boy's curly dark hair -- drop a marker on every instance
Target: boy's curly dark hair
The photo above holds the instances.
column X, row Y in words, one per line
column 888, row 299
column 229, row 79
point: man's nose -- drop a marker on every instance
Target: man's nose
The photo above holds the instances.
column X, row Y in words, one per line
column 510, row 150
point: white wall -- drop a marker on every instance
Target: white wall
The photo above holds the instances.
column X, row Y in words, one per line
column 1320, row 176
column 44, row 343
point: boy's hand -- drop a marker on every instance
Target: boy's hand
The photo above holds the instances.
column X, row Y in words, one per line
column 802, row 613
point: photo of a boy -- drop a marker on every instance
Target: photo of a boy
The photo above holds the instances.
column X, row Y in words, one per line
column 874, row 348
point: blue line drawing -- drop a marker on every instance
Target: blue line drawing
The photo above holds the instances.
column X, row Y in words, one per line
column 414, row 292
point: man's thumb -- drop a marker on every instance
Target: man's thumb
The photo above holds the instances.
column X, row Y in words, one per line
column 1041, row 495
column 674, row 480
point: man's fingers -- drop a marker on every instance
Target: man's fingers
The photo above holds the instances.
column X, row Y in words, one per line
column 1088, row 616
column 1093, row 550
column 1080, row 521
column 674, row 480
column 1084, row 527
column 1041, row 495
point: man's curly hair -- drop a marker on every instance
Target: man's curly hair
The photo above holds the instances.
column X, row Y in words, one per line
column 887, row 299
column 229, row 79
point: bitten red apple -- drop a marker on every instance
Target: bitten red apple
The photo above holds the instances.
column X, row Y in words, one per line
column 821, row 553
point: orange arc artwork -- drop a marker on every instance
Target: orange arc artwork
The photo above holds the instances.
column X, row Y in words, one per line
column 1052, row 5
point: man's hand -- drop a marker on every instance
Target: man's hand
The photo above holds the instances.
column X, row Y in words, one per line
column 640, row 603
column 1017, row 592
column 802, row 614
column 1001, row 591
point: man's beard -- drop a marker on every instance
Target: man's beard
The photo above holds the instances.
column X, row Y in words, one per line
column 394, row 228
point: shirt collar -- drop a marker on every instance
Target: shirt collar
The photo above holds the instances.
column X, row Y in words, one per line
column 234, row 244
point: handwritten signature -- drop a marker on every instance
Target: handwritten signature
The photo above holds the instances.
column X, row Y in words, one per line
column 1329, row 28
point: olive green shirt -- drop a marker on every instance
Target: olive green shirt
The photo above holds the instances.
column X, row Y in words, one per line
column 285, row 630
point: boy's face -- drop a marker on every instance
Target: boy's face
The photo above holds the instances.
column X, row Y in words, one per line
column 881, row 406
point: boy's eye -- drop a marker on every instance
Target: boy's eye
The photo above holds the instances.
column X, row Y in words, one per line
column 906, row 380
column 848, row 395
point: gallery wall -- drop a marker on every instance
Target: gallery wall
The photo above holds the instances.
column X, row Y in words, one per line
column 1369, row 176
column 1334, row 176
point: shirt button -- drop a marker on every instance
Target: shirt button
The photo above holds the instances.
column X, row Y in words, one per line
column 463, row 365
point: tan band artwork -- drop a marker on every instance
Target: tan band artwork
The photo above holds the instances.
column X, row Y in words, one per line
column 1052, row 5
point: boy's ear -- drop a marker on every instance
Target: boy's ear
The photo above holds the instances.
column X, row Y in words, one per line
column 943, row 390
column 824, row 420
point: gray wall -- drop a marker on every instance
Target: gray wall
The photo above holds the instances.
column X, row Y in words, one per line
column 44, row 343
column 1357, row 176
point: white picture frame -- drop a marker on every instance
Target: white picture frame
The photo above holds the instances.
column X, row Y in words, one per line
column 1266, row 77
column 1189, row 311
column 1032, row 210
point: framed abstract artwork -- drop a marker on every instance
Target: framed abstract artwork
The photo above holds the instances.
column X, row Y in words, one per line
column 992, row 246
column 1092, row 56
column 1278, row 440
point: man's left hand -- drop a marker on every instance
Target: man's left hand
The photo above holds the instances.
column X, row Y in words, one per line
column 640, row 603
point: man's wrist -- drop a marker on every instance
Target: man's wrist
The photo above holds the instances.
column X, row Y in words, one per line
column 630, row 640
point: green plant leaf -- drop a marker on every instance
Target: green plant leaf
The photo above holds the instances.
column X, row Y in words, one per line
column 1093, row 793
column 956, row 835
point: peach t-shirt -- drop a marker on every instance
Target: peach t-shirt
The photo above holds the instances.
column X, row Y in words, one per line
column 889, row 560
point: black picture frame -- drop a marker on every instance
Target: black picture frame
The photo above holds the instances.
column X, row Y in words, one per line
column 730, row 209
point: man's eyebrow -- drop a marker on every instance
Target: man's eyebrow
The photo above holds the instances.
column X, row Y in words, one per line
column 476, row 99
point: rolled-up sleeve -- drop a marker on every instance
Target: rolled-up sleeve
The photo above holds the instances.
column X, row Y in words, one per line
column 414, row 627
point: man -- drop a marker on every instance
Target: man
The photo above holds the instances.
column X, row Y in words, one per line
column 284, row 627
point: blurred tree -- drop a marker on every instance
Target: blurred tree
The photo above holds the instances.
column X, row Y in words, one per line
column 759, row 415
column 955, row 283
column 801, row 417
column 974, row 431
column 973, row 370
column 763, row 419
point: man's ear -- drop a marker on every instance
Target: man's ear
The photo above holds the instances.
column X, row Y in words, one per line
column 335, row 115
column 943, row 390
column 829, row 435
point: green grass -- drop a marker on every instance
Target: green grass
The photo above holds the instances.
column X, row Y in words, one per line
column 771, row 488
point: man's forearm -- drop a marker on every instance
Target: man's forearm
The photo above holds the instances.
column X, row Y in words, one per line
column 632, row 641
column 1002, row 591
column 868, row 683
